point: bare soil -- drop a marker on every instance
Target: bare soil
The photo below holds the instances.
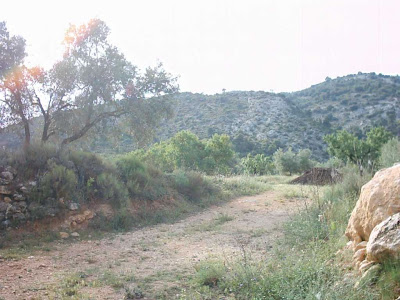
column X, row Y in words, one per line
column 155, row 262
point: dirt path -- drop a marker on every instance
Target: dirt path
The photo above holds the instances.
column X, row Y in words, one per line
column 155, row 261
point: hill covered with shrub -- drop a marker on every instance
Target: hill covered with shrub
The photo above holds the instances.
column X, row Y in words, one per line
column 262, row 122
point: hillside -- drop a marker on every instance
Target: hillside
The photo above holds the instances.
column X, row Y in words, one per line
column 353, row 101
column 262, row 122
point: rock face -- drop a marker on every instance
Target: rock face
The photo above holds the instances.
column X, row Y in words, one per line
column 379, row 199
column 384, row 241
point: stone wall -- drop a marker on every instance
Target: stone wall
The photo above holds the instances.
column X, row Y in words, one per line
column 15, row 207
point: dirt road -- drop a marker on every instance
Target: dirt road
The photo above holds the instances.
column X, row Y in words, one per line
column 153, row 262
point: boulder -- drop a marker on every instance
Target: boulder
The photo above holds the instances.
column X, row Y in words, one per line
column 361, row 245
column 379, row 199
column 359, row 256
column 384, row 241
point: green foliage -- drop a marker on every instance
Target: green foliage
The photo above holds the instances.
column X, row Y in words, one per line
column 93, row 77
column 191, row 185
column 285, row 161
column 33, row 160
column 210, row 272
column 389, row 281
column 304, row 160
column 220, row 155
column 58, row 182
column 390, row 153
column 290, row 162
column 186, row 151
column 362, row 152
column 258, row 165
column 112, row 189
column 133, row 172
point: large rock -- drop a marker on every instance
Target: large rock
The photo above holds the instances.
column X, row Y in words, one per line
column 379, row 199
column 384, row 241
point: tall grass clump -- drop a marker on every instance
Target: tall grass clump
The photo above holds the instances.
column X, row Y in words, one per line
column 390, row 153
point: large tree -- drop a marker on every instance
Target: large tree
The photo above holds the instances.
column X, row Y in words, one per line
column 14, row 82
column 91, row 87
column 107, row 86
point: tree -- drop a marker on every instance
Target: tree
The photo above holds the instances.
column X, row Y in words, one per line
column 362, row 152
column 258, row 164
column 91, row 87
column 285, row 162
column 107, row 86
column 304, row 160
column 390, row 153
column 186, row 150
column 15, row 82
column 12, row 50
column 18, row 104
column 220, row 154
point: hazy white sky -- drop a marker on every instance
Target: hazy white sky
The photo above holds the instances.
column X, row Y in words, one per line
column 267, row 45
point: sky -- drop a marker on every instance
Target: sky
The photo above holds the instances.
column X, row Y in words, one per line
column 279, row 46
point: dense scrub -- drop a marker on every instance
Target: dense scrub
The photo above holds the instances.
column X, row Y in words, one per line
column 138, row 192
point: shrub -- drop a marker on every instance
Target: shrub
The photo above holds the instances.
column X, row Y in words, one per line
column 87, row 165
column 210, row 272
column 33, row 161
column 186, row 151
column 58, row 182
column 191, row 185
column 134, row 173
column 257, row 165
column 390, row 153
column 290, row 162
column 142, row 181
column 112, row 189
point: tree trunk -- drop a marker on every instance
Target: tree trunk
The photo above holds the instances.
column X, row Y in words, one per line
column 27, row 140
column 46, row 126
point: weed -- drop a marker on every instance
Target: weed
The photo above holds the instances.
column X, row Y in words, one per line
column 209, row 272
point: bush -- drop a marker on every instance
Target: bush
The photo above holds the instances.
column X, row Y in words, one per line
column 290, row 162
column 187, row 152
column 390, row 153
column 191, row 185
column 134, row 173
column 112, row 189
column 33, row 161
column 87, row 165
column 58, row 182
column 142, row 181
column 258, row 165
column 210, row 272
